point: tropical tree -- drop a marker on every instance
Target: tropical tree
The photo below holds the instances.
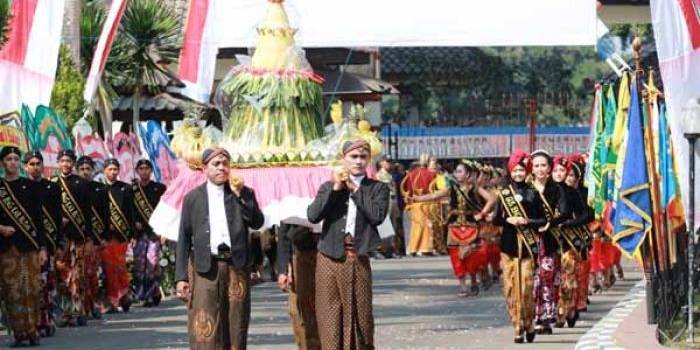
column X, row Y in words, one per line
column 150, row 33
column 4, row 20
column 67, row 94
column 72, row 27
column 93, row 15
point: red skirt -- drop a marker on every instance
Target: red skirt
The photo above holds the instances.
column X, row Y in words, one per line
column 494, row 252
column 116, row 274
column 595, row 256
column 582, row 280
column 472, row 262
column 611, row 255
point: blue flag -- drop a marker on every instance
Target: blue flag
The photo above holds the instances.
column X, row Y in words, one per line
column 633, row 209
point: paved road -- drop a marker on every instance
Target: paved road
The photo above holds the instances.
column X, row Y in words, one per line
column 416, row 307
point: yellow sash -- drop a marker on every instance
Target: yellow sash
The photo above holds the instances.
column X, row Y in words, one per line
column 117, row 217
column 142, row 204
column 17, row 213
column 583, row 233
column 49, row 225
column 71, row 208
column 514, row 208
column 97, row 224
column 569, row 235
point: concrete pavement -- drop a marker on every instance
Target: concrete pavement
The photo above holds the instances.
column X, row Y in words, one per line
column 415, row 304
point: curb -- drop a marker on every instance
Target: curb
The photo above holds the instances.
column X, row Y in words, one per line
column 601, row 335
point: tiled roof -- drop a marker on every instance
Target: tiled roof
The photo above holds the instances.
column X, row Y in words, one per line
column 354, row 84
column 160, row 102
column 435, row 62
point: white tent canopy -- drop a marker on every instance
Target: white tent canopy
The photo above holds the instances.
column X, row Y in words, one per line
column 370, row 23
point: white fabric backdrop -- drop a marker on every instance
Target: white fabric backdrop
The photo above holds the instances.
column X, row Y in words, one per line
column 363, row 23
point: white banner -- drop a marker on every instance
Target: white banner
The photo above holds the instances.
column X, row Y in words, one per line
column 455, row 146
column 677, row 33
column 29, row 58
column 362, row 23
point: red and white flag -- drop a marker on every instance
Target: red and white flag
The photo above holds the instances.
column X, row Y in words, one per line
column 677, row 33
column 199, row 49
column 104, row 46
column 29, row 58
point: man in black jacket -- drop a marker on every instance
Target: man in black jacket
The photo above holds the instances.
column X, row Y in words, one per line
column 351, row 207
column 213, row 240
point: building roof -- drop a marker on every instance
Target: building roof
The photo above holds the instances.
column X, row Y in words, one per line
column 354, row 84
column 433, row 63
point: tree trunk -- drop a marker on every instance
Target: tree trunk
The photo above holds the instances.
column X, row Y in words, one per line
column 136, row 108
column 71, row 28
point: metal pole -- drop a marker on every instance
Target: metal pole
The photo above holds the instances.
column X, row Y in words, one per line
column 691, row 234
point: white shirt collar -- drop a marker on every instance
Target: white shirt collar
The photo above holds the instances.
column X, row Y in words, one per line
column 357, row 179
column 214, row 187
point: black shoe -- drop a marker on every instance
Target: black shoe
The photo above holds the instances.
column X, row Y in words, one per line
column 559, row 324
column 82, row 321
column 518, row 340
column 34, row 341
column 475, row 290
column 125, row 304
column 96, row 314
column 156, row 299
column 530, row 336
column 51, row 331
column 571, row 321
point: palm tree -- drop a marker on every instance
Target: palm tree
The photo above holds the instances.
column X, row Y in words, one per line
column 93, row 15
column 4, row 21
column 150, row 34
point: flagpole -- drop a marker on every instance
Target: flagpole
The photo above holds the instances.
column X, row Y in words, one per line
column 656, row 238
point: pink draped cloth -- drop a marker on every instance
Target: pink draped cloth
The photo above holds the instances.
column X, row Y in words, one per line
column 283, row 194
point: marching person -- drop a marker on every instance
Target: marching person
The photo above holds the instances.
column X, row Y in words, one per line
column 51, row 220
column 394, row 244
column 548, row 273
column 119, row 234
column 147, row 272
column 469, row 204
column 351, row 207
column 99, row 208
column 213, row 256
column 574, row 246
column 22, row 249
column 584, row 215
column 416, row 183
column 76, row 200
column 296, row 263
column 519, row 211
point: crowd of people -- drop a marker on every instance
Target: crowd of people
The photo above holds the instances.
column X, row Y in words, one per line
column 528, row 225
column 64, row 243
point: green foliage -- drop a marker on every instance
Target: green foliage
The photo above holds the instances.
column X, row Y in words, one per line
column 497, row 82
column 628, row 31
column 149, row 33
column 67, row 95
column 93, row 15
column 5, row 16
